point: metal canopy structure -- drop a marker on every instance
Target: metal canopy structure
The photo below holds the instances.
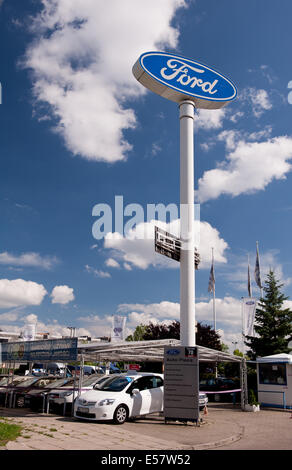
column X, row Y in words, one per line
column 146, row 351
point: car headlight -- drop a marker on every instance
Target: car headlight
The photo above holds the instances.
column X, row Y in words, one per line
column 107, row 401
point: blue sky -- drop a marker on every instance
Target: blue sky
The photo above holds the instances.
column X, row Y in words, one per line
column 78, row 130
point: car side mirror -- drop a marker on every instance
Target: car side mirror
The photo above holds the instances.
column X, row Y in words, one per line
column 135, row 391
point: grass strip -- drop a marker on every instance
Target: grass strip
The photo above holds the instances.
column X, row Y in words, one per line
column 8, row 432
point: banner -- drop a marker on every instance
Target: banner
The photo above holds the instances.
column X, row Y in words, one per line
column 248, row 313
column 29, row 332
column 47, row 350
column 118, row 328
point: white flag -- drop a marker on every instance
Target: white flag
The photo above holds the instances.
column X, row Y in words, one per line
column 249, row 308
column 118, row 328
column 29, row 332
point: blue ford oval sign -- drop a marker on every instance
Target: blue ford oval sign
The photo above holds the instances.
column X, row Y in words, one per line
column 178, row 78
column 173, row 352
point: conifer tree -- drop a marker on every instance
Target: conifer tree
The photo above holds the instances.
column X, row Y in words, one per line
column 273, row 323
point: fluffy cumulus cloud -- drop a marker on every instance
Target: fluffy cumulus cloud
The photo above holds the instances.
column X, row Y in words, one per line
column 249, row 167
column 62, row 295
column 136, row 249
column 81, row 60
column 209, row 120
column 18, row 292
column 228, row 313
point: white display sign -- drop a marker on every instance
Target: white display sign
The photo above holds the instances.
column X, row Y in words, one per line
column 29, row 332
column 249, row 308
column 118, row 328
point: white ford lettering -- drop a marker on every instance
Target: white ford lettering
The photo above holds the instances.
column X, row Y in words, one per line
column 180, row 71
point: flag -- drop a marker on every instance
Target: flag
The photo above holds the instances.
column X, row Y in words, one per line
column 249, row 309
column 257, row 273
column 118, row 328
column 211, row 286
column 248, row 281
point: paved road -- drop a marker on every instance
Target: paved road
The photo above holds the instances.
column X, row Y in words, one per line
column 225, row 427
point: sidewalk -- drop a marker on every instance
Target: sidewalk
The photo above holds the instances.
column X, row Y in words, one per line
column 225, row 427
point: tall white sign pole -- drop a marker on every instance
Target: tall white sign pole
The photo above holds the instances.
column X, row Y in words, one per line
column 190, row 84
column 187, row 265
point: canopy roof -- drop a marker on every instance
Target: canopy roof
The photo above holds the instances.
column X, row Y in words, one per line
column 143, row 351
column 283, row 357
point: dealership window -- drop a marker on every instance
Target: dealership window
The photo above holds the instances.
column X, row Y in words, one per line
column 272, row 374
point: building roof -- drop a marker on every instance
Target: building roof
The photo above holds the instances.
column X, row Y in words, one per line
column 283, row 357
column 143, row 351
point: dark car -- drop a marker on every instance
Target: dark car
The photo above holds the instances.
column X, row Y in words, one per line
column 22, row 388
column 221, row 385
column 7, row 385
column 35, row 399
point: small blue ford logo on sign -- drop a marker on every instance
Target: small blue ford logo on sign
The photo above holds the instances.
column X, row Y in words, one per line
column 178, row 78
column 172, row 352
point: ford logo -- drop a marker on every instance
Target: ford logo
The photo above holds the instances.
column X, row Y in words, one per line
column 178, row 78
column 173, row 352
column 250, row 303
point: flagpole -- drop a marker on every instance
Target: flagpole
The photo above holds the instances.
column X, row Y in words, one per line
column 214, row 296
column 249, row 280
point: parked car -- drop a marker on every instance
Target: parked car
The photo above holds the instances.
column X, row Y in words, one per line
column 23, row 387
column 87, row 370
column 121, row 396
column 35, row 399
column 67, row 395
column 7, row 385
column 220, row 384
column 203, row 400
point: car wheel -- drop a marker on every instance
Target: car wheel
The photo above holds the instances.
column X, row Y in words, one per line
column 20, row 402
column 121, row 414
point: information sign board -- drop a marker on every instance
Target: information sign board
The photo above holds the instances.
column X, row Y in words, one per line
column 181, row 383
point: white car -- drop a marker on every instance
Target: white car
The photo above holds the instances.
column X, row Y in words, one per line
column 121, row 397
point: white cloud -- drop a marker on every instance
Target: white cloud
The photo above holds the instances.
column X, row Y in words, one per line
column 81, row 61
column 112, row 263
column 258, row 99
column 228, row 315
column 28, row 260
column 18, row 292
column 31, row 318
column 248, row 168
column 97, row 272
column 137, row 248
column 62, row 295
column 210, row 119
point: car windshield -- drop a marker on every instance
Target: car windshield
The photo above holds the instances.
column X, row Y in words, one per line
column 113, row 384
column 59, row 383
column 26, row 383
column 4, row 381
column 91, row 380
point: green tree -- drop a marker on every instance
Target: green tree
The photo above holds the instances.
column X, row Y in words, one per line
column 273, row 323
column 205, row 335
column 138, row 334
